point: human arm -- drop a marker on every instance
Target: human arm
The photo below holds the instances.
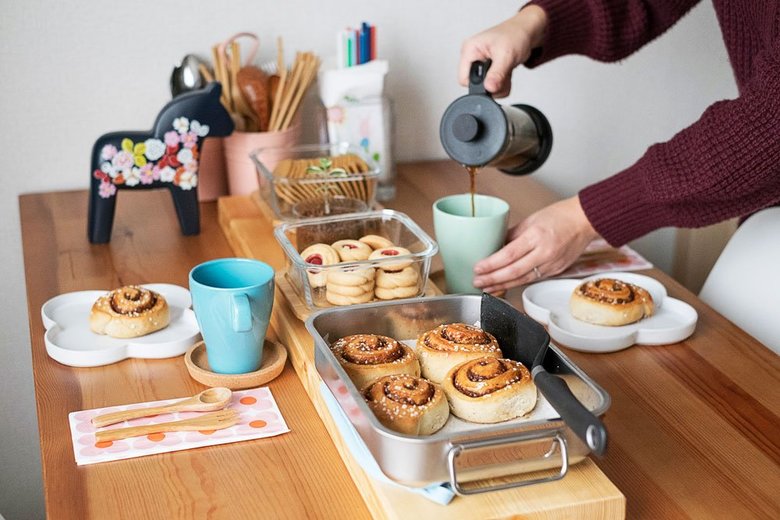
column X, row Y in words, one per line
column 726, row 164
column 605, row 30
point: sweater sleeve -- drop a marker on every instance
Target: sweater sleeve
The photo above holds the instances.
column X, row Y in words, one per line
column 605, row 30
column 726, row 164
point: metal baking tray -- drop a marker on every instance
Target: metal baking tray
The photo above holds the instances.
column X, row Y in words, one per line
column 472, row 457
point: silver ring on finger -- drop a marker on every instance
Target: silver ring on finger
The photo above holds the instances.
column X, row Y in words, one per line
column 537, row 273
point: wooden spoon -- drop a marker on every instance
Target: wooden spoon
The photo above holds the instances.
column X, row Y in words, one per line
column 255, row 89
column 210, row 421
column 205, row 401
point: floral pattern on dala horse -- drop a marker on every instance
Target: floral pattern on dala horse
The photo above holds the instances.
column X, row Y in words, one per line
column 173, row 160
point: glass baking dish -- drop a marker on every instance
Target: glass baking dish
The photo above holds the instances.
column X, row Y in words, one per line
column 315, row 180
column 397, row 227
column 467, row 455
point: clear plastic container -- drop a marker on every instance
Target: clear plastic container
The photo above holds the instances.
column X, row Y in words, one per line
column 295, row 192
column 311, row 281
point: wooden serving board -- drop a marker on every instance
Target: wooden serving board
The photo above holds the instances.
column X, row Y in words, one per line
column 585, row 492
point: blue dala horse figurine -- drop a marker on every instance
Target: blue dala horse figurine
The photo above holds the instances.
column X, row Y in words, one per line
column 166, row 157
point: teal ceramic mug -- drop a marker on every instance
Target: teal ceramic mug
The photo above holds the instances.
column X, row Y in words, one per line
column 465, row 240
column 232, row 299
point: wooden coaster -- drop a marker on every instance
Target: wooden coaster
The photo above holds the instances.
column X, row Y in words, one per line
column 274, row 357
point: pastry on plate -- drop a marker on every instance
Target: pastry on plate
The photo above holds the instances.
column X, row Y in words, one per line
column 450, row 344
column 607, row 301
column 407, row 404
column 366, row 357
column 129, row 312
column 490, row 390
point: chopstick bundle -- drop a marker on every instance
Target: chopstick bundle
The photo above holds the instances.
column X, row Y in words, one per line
column 292, row 87
column 288, row 93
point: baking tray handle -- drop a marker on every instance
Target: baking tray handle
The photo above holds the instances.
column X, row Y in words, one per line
column 460, row 448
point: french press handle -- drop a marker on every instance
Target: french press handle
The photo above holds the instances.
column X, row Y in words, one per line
column 477, row 77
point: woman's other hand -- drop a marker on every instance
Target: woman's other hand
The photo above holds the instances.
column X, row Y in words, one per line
column 542, row 245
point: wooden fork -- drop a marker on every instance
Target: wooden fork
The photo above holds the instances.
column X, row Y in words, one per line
column 210, row 421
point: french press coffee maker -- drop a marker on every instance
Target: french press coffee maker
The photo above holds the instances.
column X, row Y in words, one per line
column 476, row 131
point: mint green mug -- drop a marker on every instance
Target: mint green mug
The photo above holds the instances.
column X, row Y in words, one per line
column 465, row 240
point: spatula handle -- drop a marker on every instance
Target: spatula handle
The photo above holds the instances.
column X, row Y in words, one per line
column 582, row 421
column 135, row 431
column 126, row 415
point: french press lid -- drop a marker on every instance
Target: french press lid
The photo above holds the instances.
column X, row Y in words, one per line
column 474, row 129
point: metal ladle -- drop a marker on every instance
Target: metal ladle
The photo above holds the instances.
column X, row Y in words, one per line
column 186, row 75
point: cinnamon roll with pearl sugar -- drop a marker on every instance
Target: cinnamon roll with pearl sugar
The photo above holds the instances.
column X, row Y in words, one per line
column 606, row 301
column 490, row 390
column 408, row 404
column 129, row 312
column 451, row 344
column 365, row 357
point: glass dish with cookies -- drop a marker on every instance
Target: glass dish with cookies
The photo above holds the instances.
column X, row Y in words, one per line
column 437, row 398
column 316, row 180
column 351, row 259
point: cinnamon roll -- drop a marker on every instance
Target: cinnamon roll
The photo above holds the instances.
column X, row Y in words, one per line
column 489, row 390
column 366, row 357
column 611, row 302
column 129, row 312
column 451, row 344
column 408, row 404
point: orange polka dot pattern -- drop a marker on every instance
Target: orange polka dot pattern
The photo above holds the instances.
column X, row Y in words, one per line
column 259, row 417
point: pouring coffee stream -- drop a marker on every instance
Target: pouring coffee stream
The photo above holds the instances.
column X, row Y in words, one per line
column 477, row 132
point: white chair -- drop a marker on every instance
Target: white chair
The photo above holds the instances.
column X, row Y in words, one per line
column 744, row 284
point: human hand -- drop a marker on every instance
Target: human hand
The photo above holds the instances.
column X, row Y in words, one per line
column 508, row 45
column 544, row 244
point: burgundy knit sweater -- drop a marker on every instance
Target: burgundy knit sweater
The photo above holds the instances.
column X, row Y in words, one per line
column 726, row 164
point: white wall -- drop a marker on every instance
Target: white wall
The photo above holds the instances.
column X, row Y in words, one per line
column 74, row 70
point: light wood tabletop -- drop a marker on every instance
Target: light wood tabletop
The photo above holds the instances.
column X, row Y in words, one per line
column 694, row 428
column 295, row 475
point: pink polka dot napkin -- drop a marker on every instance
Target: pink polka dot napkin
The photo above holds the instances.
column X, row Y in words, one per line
column 260, row 417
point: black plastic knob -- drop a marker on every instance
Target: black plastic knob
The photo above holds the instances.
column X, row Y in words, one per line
column 465, row 128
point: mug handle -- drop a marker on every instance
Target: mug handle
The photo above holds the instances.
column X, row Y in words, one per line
column 241, row 313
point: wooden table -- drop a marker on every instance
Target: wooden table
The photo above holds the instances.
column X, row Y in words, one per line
column 694, row 428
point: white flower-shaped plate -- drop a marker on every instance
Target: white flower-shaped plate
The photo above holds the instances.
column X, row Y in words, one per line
column 548, row 302
column 70, row 341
